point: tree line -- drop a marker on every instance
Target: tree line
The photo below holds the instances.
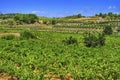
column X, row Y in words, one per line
column 18, row 18
column 75, row 16
column 110, row 15
column 25, row 18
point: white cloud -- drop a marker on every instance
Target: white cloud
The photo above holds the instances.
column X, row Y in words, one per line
column 112, row 7
column 38, row 12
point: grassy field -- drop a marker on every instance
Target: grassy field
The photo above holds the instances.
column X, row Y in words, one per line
column 48, row 58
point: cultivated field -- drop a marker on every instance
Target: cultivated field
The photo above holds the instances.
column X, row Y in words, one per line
column 48, row 58
column 67, row 48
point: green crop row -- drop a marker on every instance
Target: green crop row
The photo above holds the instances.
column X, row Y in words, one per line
column 33, row 59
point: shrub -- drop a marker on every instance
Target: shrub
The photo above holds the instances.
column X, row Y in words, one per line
column 54, row 22
column 8, row 37
column 26, row 34
column 91, row 40
column 70, row 40
column 101, row 39
column 108, row 30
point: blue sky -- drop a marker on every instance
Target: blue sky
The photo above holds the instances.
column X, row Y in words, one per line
column 60, row 8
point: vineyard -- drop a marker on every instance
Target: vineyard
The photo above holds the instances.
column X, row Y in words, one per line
column 59, row 40
column 59, row 48
column 96, row 25
column 48, row 58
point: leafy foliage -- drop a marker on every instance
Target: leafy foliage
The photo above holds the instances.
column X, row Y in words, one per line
column 10, row 22
column 8, row 37
column 54, row 22
column 26, row 34
column 108, row 15
column 7, row 16
column 26, row 18
column 108, row 30
column 47, row 58
column 70, row 40
column 74, row 16
column 91, row 40
column 101, row 39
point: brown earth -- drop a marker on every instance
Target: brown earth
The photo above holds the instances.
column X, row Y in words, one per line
column 53, row 77
column 6, row 76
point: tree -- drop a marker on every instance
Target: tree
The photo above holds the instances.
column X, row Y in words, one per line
column 96, row 15
column 32, row 18
column 7, row 16
column 110, row 14
column 26, row 18
column 79, row 15
column 100, row 14
column 74, row 16
column 104, row 15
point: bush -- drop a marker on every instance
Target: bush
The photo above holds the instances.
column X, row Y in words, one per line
column 27, row 35
column 70, row 40
column 54, row 22
column 101, row 39
column 108, row 30
column 8, row 37
column 91, row 40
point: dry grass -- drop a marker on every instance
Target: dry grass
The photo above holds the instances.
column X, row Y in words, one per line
column 16, row 34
